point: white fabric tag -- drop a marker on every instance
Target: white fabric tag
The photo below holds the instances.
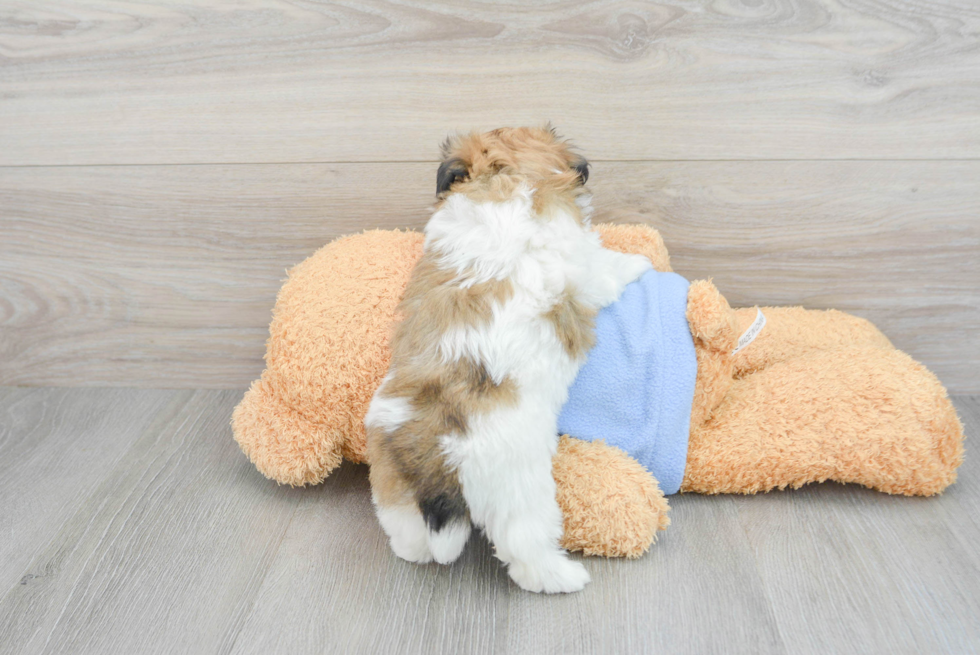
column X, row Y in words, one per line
column 752, row 332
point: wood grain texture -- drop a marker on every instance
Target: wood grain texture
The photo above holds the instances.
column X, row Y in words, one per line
column 164, row 555
column 897, row 243
column 679, row 598
column 104, row 82
column 59, row 445
column 180, row 545
column 858, row 556
column 343, row 592
column 166, row 275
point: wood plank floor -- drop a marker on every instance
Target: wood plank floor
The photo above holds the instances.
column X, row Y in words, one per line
column 131, row 523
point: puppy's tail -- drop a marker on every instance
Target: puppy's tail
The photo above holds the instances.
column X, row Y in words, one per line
column 448, row 521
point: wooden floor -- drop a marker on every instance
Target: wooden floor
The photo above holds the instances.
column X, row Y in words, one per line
column 131, row 523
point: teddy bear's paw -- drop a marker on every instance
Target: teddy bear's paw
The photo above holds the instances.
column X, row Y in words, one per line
column 555, row 575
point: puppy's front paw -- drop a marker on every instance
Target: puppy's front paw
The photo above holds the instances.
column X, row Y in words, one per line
column 620, row 270
column 634, row 266
column 555, row 575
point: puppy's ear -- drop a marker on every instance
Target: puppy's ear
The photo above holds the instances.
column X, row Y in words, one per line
column 450, row 171
column 581, row 166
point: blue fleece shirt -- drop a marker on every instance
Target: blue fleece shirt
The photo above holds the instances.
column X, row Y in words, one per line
column 636, row 389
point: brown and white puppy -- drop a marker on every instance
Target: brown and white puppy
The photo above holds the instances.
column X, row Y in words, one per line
column 498, row 318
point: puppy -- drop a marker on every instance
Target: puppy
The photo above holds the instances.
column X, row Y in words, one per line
column 498, row 318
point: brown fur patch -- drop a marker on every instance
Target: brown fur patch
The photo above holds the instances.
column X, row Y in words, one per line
column 444, row 395
column 498, row 162
column 389, row 487
column 574, row 324
column 407, row 463
column 435, row 302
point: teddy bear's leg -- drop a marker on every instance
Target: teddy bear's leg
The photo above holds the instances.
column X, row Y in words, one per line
column 611, row 505
column 867, row 415
column 791, row 332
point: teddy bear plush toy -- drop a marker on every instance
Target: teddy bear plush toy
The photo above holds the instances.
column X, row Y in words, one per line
column 772, row 398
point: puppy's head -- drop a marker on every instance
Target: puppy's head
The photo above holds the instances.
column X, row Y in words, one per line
column 494, row 166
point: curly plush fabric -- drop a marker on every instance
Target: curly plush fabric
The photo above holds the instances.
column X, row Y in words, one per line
column 819, row 395
column 606, row 512
column 326, row 354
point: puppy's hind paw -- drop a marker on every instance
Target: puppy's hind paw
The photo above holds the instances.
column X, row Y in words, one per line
column 556, row 575
column 406, row 532
column 412, row 550
column 447, row 544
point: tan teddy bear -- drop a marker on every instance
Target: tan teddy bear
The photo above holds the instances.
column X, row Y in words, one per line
column 818, row 395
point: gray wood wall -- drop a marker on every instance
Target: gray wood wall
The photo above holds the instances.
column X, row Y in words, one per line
column 161, row 165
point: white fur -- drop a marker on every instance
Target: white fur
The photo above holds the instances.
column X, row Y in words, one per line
column 412, row 541
column 447, row 544
column 504, row 461
column 388, row 412
column 406, row 532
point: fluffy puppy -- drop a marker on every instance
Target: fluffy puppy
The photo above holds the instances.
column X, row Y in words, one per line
column 498, row 318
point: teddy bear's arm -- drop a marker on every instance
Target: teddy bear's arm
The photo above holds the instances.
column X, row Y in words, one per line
column 611, row 505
